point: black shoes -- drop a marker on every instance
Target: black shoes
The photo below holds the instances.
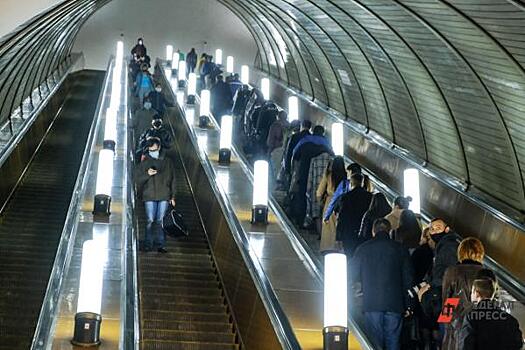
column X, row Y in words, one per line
column 162, row 250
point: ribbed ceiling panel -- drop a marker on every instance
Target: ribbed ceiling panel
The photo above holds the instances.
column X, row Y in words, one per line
column 444, row 80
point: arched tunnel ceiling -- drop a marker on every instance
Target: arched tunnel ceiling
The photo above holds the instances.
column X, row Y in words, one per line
column 444, row 80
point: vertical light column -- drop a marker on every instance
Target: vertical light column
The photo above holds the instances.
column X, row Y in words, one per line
column 226, row 139
column 338, row 139
column 411, row 188
column 175, row 61
column 335, row 331
column 192, row 89
column 204, row 108
column 169, row 53
column 265, row 88
column 181, row 74
column 218, row 57
column 293, row 108
column 245, row 74
column 229, row 64
column 260, row 192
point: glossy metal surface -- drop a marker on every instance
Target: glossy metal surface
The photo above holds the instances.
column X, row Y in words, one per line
column 55, row 328
column 293, row 278
column 16, row 150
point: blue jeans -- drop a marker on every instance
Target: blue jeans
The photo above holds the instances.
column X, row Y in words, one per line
column 384, row 328
column 155, row 211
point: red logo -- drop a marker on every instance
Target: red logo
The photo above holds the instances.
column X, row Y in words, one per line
column 448, row 310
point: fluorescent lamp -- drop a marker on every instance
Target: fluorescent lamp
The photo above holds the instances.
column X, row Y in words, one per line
column 192, row 89
column 293, row 108
column 260, row 192
column 412, row 189
column 205, row 103
column 338, row 139
column 229, row 64
column 175, row 61
column 91, row 278
column 225, row 143
column 110, row 129
column 245, row 74
column 335, row 332
column 218, row 56
column 265, row 88
column 105, row 172
column 182, row 71
column 190, row 116
column 120, row 51
column 169, row 52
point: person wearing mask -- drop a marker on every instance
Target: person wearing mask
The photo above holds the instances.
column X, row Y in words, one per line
column 382, row 267
column 191, row 60
column 379, row 208
column 334, row 174
column 306, row 125
column 143, row 84
column 457, row 283
column 275, row 141
column 343, row 188
column 350, row 209
column 158, row 101
column 487, row 326
column 155, row 177
column 409, row 231
column 301, row 168
column 400, row 204
column 157, row 131
column 139, row 49
column 445, row 255
column 235, row 84
column 143, row 117
column 221, row 99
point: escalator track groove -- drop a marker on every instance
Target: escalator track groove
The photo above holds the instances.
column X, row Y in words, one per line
column 182, row 303
column 32, row 222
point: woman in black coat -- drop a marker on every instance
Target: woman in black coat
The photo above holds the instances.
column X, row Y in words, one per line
column 379, row 207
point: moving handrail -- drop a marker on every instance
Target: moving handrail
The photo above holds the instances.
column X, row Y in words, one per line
column 64, row 253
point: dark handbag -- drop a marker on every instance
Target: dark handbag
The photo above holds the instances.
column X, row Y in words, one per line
column 173, row 224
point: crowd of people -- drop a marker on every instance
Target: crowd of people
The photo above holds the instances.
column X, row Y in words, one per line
column 404, row 272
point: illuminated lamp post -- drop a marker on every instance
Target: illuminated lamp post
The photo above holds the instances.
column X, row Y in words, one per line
column 169, row 53
column 88, row 317
column 181, row 74
column 204, row 108
column 338, row 139
column 102, row 202
column 411, row 188
column 175, row 62
column 226, row 139
column 260, row 192
column 265, row 88
column 293, row 108
column 335, row 331
column 229, row 65
column 245, row 74
column 218, row 57
column 192, row 89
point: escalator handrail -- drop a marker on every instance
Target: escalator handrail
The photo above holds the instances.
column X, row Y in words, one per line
column 276, row 314
column 50, row 305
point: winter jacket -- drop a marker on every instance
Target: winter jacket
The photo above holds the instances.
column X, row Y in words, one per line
column 480, row 331
column 292, row 142
column 317, row 139
column 365, row 231
column 162, row 133
column 235, row 85
column 342, row 188
column 383, row 267
column 158, row 102
column 445, row 256
column 139, row 50
column 457, row 283
column 275, row 135
column 351, row 208
column 159, row 187
column 191, row 59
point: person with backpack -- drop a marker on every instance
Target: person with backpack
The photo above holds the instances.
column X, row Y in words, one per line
column 155, row 177
column 143, row 84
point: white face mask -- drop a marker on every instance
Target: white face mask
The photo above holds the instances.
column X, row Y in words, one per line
column 147, row 105
column 154, row 154
column 158, row 89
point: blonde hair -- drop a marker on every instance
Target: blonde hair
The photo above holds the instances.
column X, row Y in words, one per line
column 471, row 248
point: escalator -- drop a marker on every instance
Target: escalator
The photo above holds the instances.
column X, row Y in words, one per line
column 32, row 222
column 182, row 303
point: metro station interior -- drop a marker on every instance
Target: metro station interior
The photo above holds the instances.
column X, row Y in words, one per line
column 162, row 166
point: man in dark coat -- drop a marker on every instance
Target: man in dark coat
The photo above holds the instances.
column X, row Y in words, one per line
column 351, row 207
column 221, row 99
column 301, row 160
column 488, row 326
column 158, row 101
column 306, row 125
column 383, row 268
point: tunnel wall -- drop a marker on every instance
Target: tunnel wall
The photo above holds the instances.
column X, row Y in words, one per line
column 203, row 24
column 16, row 12
column 442, row 81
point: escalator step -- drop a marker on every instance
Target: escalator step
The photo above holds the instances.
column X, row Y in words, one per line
column 172, row 335
column 169, row 345
column 194, row 326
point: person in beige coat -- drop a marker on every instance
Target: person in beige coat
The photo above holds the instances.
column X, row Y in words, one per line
column 334, row 174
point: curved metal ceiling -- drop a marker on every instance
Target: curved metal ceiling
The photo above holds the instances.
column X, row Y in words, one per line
column 444, row 80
